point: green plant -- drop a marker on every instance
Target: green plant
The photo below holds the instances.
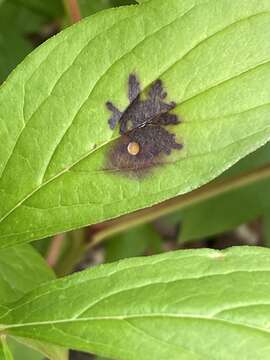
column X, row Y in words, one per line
column 57, row 174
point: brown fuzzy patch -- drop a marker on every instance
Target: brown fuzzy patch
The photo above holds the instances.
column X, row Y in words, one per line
column 142, row 122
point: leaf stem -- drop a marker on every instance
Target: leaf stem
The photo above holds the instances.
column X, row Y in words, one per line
column 73, row 10
column 55, row 249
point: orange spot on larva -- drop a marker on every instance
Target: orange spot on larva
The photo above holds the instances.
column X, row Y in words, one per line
column 133, row 148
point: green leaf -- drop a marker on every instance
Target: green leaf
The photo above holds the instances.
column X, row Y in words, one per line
column 228, row 210
column 13, row 49
column 15, row 23
column 122, row 2
column 186, row 304
column 51, row 351
column 21, row 352
column 5, row 353
column 21, row 270
column 54, row 134
column 133, row 243
column 90, row 7
column 19, row 19
column 50, row 8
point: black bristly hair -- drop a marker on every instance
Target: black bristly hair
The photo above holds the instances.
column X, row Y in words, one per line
column 142, row 122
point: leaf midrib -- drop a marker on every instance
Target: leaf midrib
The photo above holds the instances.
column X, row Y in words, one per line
column 137, row 316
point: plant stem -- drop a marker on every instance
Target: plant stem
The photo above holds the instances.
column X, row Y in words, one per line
column 73, row 10
column 54, row 250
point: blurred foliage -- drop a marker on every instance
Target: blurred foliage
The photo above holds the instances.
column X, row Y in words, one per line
column 19, row 18
column 226, row 211
column 266, row 227
column 51, row 8
column 17, row 23
column 134, row 242
column 89, row 7
column 42, row 246
column 21, row 352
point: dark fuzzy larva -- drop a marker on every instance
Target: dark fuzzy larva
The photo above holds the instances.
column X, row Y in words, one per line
column 144, row 139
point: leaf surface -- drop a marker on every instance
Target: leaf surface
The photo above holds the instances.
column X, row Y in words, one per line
column 5, row 353
column 213, row 59
column 134, row 242
column 21, row 270
column 192, row 304
column 21, row 352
